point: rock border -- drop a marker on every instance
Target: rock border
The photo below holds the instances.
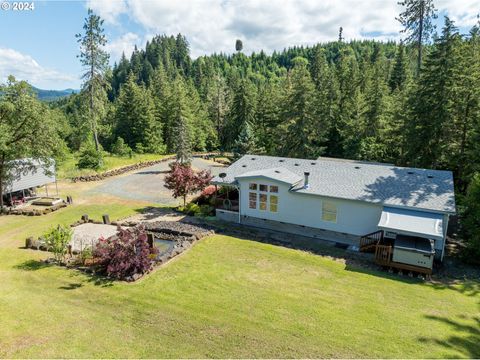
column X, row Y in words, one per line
column 137, row 166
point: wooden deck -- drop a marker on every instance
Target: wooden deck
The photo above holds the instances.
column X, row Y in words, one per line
column 383, row 249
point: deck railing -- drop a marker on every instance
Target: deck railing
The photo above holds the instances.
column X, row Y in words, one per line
column 383, row 254
column 369, row 241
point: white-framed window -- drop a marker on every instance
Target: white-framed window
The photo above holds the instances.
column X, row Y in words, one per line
column 273, row 203
column 263, row 197
column 329, row 211
column 263, row 202
column 252, row 200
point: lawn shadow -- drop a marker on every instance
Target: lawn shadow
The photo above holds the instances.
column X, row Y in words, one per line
column 71, row 286
column 466, row 326
column 32, row 265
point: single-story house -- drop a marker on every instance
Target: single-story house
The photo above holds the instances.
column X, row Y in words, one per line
column 340, row 199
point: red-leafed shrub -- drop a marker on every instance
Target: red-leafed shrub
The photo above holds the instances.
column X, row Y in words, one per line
column 183, row 180
column 126, row 254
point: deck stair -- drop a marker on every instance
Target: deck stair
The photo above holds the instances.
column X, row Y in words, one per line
column 369, row 242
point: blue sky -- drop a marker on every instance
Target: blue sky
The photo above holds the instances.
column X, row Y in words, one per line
column 40, row 46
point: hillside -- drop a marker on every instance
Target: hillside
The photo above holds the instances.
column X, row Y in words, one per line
column 51, row 95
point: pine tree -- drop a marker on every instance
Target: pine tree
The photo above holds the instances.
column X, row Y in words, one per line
column 95, row 61
column 398, row 77
column 299, row 116
column 417, row 22
column 246, row 143
column 431, row 124
column 242, row 110
column 267, row 116
column 183, row 146
column 135, row 115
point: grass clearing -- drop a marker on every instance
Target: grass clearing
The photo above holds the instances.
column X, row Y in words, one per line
column 225, row 297
column 68, row 168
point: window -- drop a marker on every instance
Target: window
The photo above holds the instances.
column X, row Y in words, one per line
column 252, row 186
column 273, row 203
column 329, row 211
column 263, row 188
column 263, row 201
column 273, row 189
column 252, row 200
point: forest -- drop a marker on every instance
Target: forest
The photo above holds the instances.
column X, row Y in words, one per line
column 411, row 103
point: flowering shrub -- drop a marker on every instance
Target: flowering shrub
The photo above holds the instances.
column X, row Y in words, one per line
column 125, row 254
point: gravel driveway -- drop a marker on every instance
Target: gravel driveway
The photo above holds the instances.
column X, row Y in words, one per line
column 147, row 183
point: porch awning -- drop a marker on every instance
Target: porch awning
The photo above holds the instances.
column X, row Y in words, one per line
column 411, row 222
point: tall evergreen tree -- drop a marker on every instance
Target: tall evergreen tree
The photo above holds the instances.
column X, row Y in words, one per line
column 398, row 76
column 430, row 127
column 417, row 22
column 135, row 115
column 299, row 116
column 94, row 59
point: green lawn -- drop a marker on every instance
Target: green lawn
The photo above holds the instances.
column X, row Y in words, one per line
column 226, row 297
column 68, row 168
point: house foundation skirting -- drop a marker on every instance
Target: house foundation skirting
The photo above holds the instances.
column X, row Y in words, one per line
column 305, row 231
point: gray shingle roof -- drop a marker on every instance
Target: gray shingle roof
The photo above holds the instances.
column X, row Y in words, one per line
column 279, row 173
column 355, row 180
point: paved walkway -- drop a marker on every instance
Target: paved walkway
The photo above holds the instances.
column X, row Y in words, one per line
column 147, row 183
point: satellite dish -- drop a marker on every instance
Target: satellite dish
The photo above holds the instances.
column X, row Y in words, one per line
column 222, row 175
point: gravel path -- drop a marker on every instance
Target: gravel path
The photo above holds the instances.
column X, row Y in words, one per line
column 147, row 184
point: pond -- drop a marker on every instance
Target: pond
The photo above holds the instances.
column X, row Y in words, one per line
column 163, row 245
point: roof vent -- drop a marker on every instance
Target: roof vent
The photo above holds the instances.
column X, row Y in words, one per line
column 306, row 185
column 297, row 164
column 253, row 158
column 222, row 175
column 313, row 163
column 410, row 173
column 278, row 172
column 281, row 160
column 244, row 165
column 430, row 176
column 357, row 167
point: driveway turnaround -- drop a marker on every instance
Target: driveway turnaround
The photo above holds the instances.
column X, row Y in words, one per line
column 148, row 184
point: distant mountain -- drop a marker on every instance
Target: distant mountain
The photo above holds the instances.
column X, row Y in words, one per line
column 51, row 95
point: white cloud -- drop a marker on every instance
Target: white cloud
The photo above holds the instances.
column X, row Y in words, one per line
column 109, row 10
column 124, row 44
column 214, row 25
column 24, row 67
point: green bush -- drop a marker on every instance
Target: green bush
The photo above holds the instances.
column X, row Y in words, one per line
column 57, row 240
column 90, row 158
column 206, row 210
column 120, row 148
column 139, row 148
column 191, row 209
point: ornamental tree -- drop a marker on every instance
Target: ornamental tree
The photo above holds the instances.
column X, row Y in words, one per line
column 183, row 180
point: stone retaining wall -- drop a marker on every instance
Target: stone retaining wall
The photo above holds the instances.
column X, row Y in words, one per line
column 137, row 166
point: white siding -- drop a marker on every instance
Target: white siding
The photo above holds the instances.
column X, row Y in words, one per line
column 353, row 217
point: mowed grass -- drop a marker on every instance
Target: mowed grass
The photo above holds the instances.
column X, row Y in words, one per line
column 225, row 297
column 68, row 168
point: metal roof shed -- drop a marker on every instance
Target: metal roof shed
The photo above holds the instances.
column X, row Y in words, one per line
column 29, row 174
